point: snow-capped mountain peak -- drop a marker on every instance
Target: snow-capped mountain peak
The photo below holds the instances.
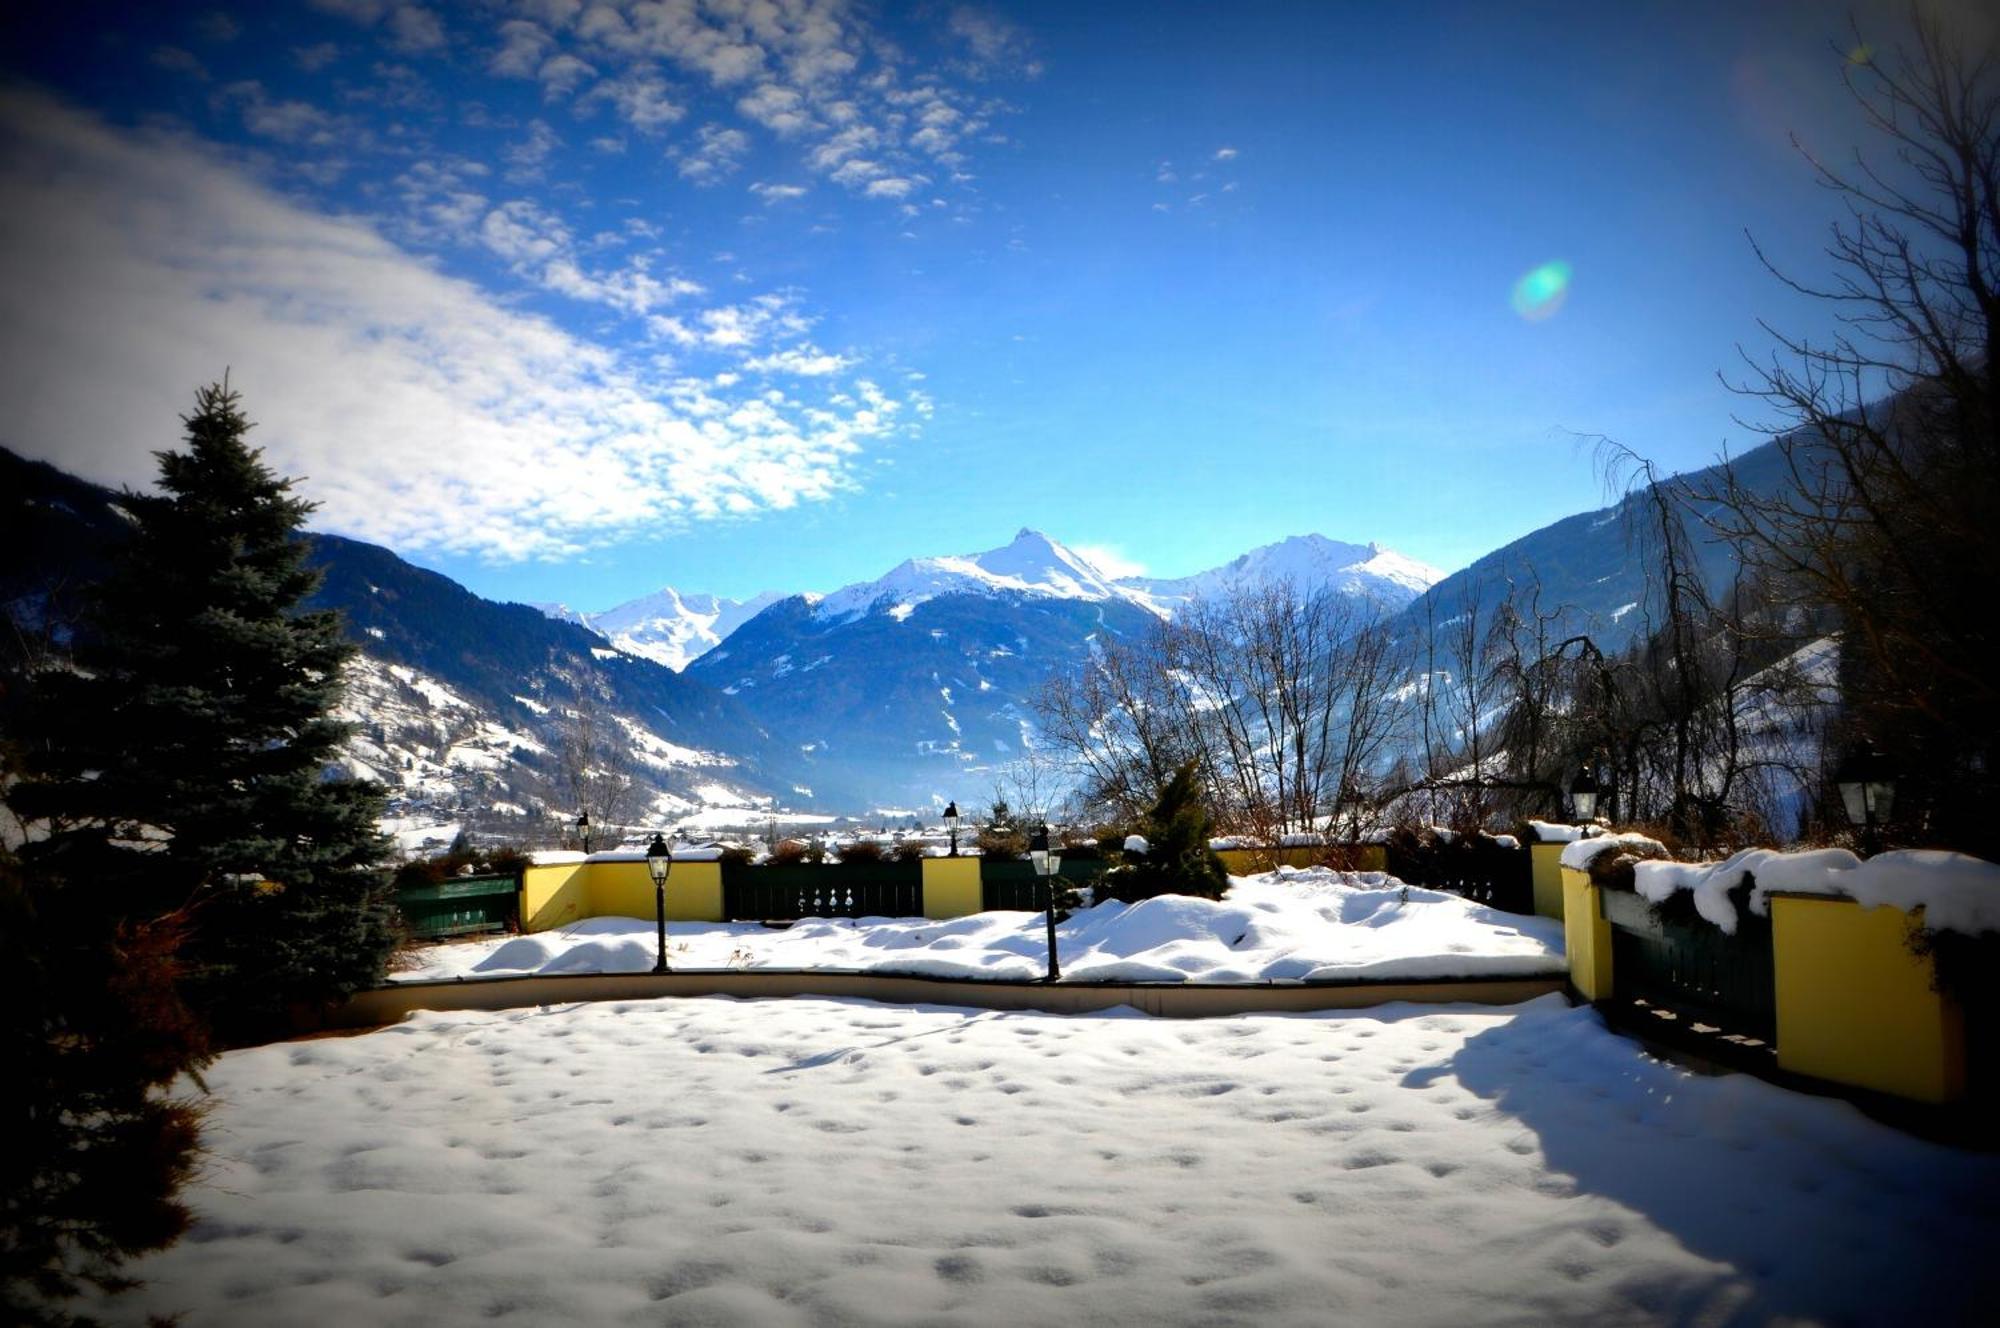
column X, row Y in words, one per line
column 1031, row 564
column 1310, row 563
column 667, row 626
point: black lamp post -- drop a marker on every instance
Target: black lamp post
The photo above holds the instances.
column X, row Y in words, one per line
column 583, row 829
column 660, row 861
column 1047, row 862
column 1583, row 795
column 951, row 824
column 1867, row 792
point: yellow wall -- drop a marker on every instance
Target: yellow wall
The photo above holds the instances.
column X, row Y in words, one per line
column 1586, row 937
column 1250, row 861
column 625, row 890
column 553, row 896
column 1545, row 863
column 951, row 887
column 558, row 895
column 1855, row 1005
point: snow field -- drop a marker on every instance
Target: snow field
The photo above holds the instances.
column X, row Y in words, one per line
column 710, row 1161
column 1285, row 925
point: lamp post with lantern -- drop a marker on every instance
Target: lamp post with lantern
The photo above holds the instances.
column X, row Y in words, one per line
column 1583, row 795
column 583, row 829
column 659, row 862
column 1047, row 862
column 951, row 825
column 1867, row 793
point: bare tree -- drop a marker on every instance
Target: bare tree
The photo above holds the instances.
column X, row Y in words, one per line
column 594, row 768
column 1888, row 432
column 1459, row 707
column 1119, row 724
column 1277, row 698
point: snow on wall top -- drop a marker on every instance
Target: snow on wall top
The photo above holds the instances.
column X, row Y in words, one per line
column 1583, row 852
column 1956, row 892
column 1554, row 832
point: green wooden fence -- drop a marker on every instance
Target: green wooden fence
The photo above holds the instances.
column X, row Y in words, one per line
column 461, row 905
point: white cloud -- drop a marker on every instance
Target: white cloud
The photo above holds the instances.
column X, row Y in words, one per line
column 411, row 27
column 317, row 56
column 741, row 326
column 521, row 47
column 441, row 199
column 216, row 26
column 995, row 43
column 294, row 122
column 414, row 28
column 176, row 60
column 561, row 75
column 521, row 232
column 537, row 245
column 806, row 361
column 554, row 13
column 1225, row 154
column 361, row 11
column 640, row 98
column 714, row 154
column 418, row 411
column 777, row 193
column 527, row 157
column 1108, row 559
column 779, row 109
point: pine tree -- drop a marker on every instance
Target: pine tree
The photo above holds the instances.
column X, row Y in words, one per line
column 1178, row 860
column 197, row 737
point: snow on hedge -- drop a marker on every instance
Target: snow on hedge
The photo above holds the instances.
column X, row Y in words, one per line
column 797, row 1162
column 1555, row 832
column 1287, row 925
column 1583, row 852
column 1956, row 892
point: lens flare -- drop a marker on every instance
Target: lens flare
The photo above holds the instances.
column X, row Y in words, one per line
column 1539, row 294
column 1861, row 55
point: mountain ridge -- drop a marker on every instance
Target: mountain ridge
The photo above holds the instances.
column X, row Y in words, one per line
column 676, row 627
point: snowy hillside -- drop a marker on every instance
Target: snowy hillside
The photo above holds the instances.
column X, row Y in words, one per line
column 452, row 763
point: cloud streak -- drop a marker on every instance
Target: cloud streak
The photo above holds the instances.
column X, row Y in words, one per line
column 422, row 413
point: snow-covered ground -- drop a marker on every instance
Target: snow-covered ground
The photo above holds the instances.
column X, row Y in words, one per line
column 709, row 1161
column 1284, row 925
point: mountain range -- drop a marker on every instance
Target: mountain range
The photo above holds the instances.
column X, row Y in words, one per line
column 887, row 695
column 676, row 628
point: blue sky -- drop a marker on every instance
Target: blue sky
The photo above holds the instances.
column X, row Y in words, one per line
column 571, row 301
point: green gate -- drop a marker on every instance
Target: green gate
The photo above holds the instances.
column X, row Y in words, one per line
column 1692, row 967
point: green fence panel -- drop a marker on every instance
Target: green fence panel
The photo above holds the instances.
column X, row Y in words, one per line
column 461, row 887
column 788, row 892
column 431, row 918
column 1694, row 968
column 1011, row 883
